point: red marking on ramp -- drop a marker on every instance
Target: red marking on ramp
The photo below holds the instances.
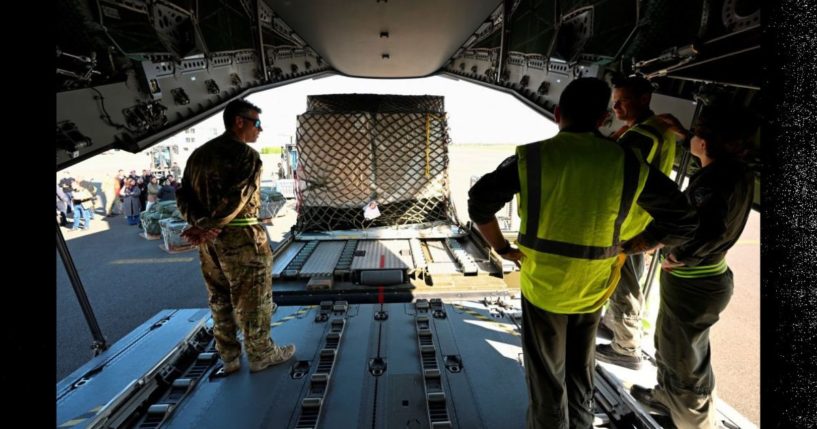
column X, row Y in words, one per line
column 380, row 297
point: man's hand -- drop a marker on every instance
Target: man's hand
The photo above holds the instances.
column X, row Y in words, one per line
column 639, row 244
column 196, row 236
column 490, row 230
column 514, row 255
column 509, row 252
column 670, row 263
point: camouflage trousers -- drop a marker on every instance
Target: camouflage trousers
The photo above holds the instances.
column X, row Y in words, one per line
column 623, row 315
column 237, row 271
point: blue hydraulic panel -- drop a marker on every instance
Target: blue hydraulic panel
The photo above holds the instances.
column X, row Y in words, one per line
column 423, row 365
column 90, row 393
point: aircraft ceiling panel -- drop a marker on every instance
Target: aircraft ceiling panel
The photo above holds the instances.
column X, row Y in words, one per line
column 422, row 35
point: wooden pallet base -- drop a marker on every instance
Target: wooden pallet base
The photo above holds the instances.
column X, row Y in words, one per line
column 147, row 236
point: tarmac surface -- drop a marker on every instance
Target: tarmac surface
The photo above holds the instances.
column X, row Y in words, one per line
column 128, row 279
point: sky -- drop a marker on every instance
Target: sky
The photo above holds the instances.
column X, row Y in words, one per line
column 476, row 115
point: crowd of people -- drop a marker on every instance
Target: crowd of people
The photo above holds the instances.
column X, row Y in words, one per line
column 119, row 194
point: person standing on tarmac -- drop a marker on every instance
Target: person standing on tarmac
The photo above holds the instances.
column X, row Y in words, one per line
column 175, row 170
column 81, row 200
column 645, row 132
column 696, row 283
column 281, row 173
column 220, row 199
column 575, row 191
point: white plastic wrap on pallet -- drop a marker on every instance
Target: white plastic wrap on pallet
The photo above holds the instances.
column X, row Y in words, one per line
column 359, row 148
column 171, row 233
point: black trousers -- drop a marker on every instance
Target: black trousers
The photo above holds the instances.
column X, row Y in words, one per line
column 559, row 362
column 689, row 308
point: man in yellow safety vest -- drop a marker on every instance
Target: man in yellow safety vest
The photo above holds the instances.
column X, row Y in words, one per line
column 575, row 191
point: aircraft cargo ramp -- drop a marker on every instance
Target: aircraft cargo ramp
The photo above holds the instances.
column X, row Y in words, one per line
column 422, row 364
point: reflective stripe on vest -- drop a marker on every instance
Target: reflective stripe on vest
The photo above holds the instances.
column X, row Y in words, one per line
column 700, row 271
column 244, row 221
column 662, row 152
column 532, row 213
column 662, row 157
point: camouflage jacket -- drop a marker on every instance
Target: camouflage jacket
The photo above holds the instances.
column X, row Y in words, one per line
column 221, row 182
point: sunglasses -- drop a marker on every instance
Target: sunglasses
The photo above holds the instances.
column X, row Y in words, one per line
column 256, row 122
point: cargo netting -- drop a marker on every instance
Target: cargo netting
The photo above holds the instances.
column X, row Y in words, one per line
column 359, row 150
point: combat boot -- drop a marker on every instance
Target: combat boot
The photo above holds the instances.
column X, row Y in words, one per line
column 650, row 397
column 232, row 366
column 605, row 353
column 276, row 356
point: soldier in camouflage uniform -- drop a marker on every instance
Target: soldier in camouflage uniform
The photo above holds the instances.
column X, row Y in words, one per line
column 220, row 199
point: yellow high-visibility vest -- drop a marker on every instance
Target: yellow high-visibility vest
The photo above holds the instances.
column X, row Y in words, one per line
column 661, row 156
column 577, row 189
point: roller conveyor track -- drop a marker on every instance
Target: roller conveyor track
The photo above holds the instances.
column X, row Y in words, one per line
column 323, row 260
column 345, row 260
column 280, row 262
column 467, row 264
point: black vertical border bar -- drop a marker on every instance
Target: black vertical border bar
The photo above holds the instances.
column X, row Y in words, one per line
column 789, row 216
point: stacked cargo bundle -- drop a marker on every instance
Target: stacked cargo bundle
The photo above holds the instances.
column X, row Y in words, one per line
column 150, row 218
column 369, row 160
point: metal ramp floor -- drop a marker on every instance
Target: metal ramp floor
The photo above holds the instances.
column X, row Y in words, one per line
column 426, row 364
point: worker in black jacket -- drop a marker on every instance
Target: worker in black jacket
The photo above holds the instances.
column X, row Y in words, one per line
column 696, row 283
